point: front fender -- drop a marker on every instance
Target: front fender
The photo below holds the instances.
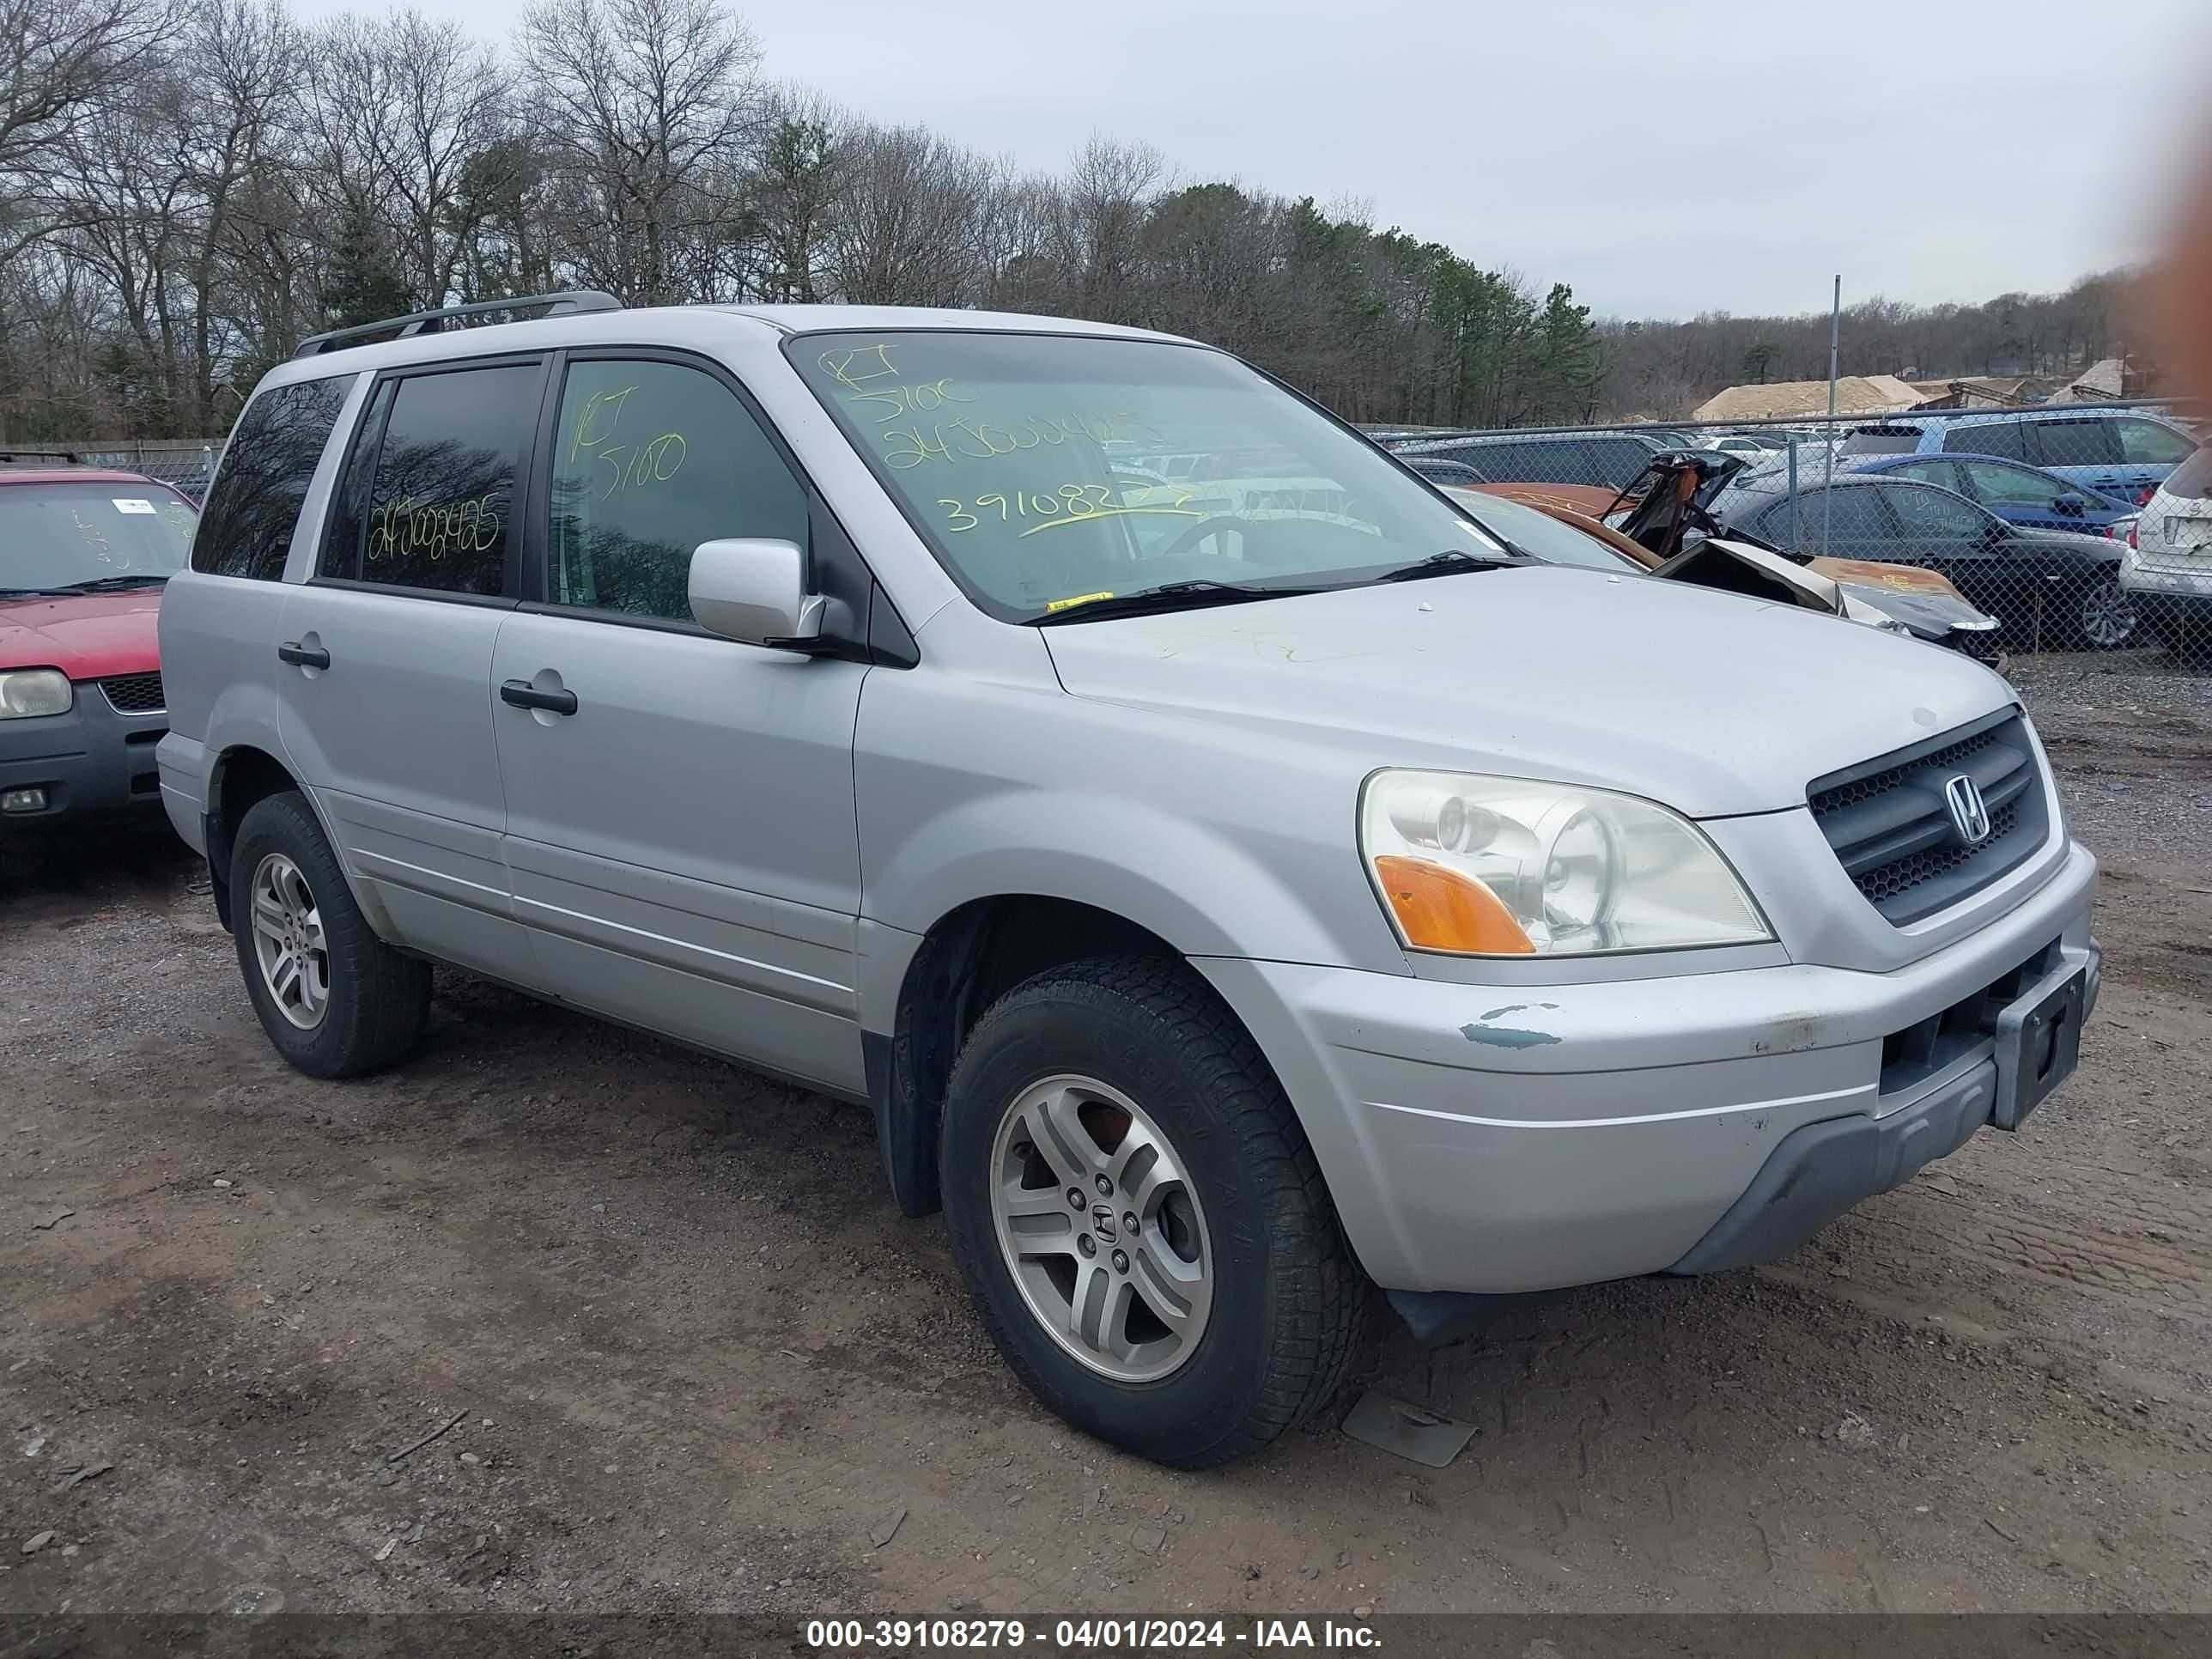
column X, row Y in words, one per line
column 1184, row 881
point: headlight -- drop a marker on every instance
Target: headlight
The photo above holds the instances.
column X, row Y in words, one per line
column 25, row 692
column 1506, row 867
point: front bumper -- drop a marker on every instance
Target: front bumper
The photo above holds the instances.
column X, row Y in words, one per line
column 1493, row 1140
column 92, row 762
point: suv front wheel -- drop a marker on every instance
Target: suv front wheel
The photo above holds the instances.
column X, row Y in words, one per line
column 335, row 999
column 1139, row 1217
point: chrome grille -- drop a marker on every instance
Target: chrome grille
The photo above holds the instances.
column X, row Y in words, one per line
column 1890, row 829
column 135, row 694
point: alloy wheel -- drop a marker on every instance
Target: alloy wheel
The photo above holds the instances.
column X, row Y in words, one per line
column 1101, row 1228
column 289, row 943
column 2107, row 615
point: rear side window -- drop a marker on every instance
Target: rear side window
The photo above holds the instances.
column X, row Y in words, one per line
column 2003, row 438
column 245, row 528
column 1881, row 441
column 2075, row 443
column 2148, row 443
column 1614, row 461
column 438, row 510
column 1844, row 515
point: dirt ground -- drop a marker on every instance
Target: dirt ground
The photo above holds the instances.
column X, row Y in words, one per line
column 698, row 1360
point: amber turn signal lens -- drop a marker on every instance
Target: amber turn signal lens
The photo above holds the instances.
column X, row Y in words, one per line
column 1440, row 910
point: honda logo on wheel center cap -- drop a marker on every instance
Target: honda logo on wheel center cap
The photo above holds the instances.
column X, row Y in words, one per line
column 1970, row 814
column 1101, row 1219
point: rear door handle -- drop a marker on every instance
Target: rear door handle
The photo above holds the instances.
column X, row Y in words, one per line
column 300, row 656
column 523, row 694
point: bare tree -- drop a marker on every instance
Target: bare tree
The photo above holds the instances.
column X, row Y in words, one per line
column 798, row 180
column 644, row 109
column 909, row 220
column 57, row 59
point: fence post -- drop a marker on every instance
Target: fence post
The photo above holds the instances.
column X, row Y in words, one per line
column 1796, row 539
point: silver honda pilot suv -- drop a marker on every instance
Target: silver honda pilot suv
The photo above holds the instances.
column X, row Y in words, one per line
column 1230, row 873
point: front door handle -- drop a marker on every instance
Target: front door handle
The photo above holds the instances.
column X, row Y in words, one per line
column 302, row 656
column 523, row 694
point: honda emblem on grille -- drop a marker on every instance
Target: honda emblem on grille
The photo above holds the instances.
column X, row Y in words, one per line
column 1970, row 814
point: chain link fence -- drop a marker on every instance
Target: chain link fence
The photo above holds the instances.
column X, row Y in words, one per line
column 2076, row 527
column 187, row 463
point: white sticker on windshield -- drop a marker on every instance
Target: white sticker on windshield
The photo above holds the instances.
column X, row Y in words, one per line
column 124, row 504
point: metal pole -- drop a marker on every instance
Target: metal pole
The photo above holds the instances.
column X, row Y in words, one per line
column 1796, row 537
column 1828, row 481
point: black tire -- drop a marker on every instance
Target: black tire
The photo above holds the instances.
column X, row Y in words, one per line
column 379, row 1000
column 1288, row 1299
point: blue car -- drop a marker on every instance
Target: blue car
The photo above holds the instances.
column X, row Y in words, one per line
column 2122, row 453
column 2015, row 491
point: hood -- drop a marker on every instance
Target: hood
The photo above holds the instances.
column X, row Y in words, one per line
column 88, row 638
column 1709, row 702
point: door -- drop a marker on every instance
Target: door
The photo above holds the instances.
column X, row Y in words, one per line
column 386, row 656
column 681, row 829
column 1846, row 522
column 1949, row 533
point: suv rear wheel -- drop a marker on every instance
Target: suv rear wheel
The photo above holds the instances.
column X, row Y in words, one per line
column 335, row 999
column 1139, row 1217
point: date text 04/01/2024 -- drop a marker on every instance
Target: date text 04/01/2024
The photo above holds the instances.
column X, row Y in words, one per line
column 1084, row 1635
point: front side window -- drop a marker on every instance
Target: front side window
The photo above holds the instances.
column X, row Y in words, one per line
column 2003, row 438
column 1935, row 512
column 2150, row 443
column 650, row 459
column 90, row 538
column 2014, row 486
column 2076, row 443
column 439, row 509
column 1047, row 469
column 247, row 530
column 1942, row 473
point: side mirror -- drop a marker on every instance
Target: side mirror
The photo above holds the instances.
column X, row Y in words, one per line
column 754, row 590
column 2071, row 503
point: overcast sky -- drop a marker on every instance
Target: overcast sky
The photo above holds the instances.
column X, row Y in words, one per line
column 1664, row 158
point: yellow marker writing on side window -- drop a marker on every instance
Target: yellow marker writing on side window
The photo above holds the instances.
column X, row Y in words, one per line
column 1069, row 604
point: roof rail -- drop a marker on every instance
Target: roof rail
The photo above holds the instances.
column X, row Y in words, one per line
column 69, row 456
column 565, row 303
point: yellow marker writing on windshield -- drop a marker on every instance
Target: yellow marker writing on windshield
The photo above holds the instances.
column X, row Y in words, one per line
column 1069, row 604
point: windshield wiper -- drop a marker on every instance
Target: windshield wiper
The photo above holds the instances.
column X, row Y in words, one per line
column 110, row 584
column 1168, row 596
column 1449, row 562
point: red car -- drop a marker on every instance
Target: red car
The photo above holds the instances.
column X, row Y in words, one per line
column 84, row 553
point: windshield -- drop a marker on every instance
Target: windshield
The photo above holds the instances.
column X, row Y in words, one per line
column 61, row 536
column 1533, row 530
column 1044, row 470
